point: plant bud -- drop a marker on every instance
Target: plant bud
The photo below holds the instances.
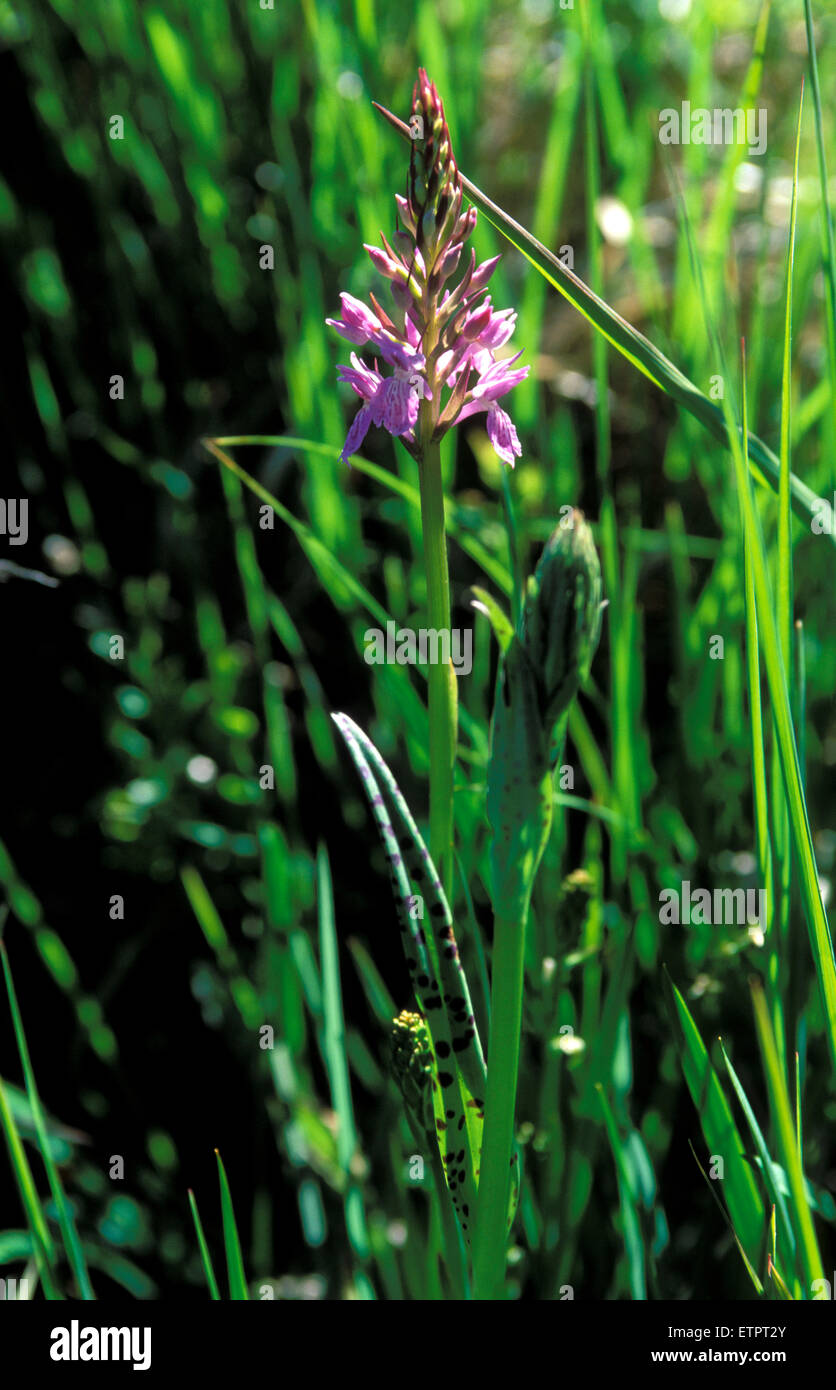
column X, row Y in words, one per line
column 435, row 188
column 544, row 663
column 561, row 620
column 412, row 1065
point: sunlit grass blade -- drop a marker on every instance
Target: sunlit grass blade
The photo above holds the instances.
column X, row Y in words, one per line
column 712, row 1186
column 324, row 562
column 57, row 960
column 780, row 947
column 66, row 1221
column 786, row 1138
column 336, row 1062
column 767, row 1166
column 828, row 242
column 775, row 1275
column 819, row 930
column 720, row 1131
column 722, row 210
column 205, row 1256
column 238, row 1290
column 799, row 1133
column 784, row 584
column 377, row 994
column 800, row 694
column 763, row 841
column 241, row 990
column 631, row 1226
column 44, row 1250
column 471, row 546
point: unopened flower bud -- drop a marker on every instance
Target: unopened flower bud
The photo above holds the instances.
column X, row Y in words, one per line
column 412, row 1065
column 449, row 261
column 435, row 189
column 385, row 264
column 543, row 665
column 561, row 620
column 483, row 273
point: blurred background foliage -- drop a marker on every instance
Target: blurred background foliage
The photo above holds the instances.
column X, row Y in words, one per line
column 141, row 258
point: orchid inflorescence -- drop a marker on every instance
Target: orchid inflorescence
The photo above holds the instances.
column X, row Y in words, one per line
column 447, row 339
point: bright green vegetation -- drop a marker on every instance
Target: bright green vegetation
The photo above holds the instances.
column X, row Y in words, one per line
column 667, row 1091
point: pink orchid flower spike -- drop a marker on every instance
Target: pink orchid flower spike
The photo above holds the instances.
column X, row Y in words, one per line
column 442, row 341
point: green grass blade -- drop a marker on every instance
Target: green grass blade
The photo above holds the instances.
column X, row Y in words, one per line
column 205, row 1257
column 631, row 1227
column 816, row 917
column 799, row 1132
column 780, row 946
column 787, row 1144
column 711, row 1185
column 820, row 939
column 377, row 994
column 43, row 1247
column 767, row 1166
column 721, row 1135
column 336, row 1059
column 242, row 993
column 72, row 1244
column 784, row 578
column 759, row 784
column 800, row 694
column 320, row 556
column 487, row 562
column 238, row 1290
column 828, row 243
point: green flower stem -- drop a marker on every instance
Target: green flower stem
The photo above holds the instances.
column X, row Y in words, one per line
column 443, row 697
column 490, row 1239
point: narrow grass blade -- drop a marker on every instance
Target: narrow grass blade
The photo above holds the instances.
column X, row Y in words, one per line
column 72, row 1244
column 379, row 999
column 503, row 628
column 798, row 1126
column 335, row 1058
column 711, row 1185
column 800, row 693
column 205, row 1257
column 238, row 1290
column 759, row 784
column 784, row 587
column 44, row 1251
column 828, row 243
column 739, row 1189
column 787, row 1143
column 631, row 1227
column 819, row 931
column 768, row 1168
column 455, row 528
column 241, row 990
column 326, row 564
column 780, row 946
